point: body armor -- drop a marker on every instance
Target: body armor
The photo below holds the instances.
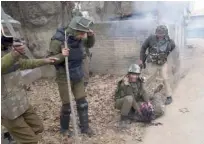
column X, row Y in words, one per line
column 158, row 53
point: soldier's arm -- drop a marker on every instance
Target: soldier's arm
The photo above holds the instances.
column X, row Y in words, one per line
column 172, row 45
column 31, row 63
column 119, row 93
column 55, row 51
column 8, row 61
column 89, row 41
column 144, row 47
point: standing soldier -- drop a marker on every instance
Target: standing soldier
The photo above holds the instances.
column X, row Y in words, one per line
column 77, row 30
column 87, row 55
column 131, row 96
column 159, row 47
column 17, row 115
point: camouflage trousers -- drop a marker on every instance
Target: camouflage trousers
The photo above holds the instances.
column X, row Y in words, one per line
column 86, row 68
column 25, row 128
column 125, row 104
column 154, row 69
column 78, row 90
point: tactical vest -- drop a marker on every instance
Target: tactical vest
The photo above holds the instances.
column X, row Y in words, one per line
column 14, row 101
column 75, row 54
column 158, row 53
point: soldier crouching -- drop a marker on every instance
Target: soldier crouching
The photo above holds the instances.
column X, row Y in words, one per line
column 132, row 100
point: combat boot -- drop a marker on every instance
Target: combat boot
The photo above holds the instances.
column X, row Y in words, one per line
column 9, row 138
column 65, row 119
column 124, row 122
column 168, row 100
column 82, row 109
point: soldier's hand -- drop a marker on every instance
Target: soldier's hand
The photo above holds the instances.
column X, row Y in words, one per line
column 141, row 64
column 65, row 51
column 18, row 48
column 51, row 60
column 90, row 33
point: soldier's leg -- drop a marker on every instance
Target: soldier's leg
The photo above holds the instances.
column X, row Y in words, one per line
column 158, row 105
column 21, row 131
column 82, row 107
column 65, row 109
column 32, row 119
column 152, row 71
column 164, row 73
column 124, row 104
column 86, row 62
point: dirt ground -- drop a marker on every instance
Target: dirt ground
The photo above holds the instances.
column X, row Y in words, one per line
column 103, row 118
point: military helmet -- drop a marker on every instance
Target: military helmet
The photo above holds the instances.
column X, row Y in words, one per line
column 134, row 68
column 80, row 23
column 161, row 30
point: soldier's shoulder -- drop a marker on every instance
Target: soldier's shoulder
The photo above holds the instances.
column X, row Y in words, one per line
column 55, row 43
column 152, row 36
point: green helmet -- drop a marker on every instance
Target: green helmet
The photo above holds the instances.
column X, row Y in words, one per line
column 81, row 24
column 134, row 68
column 161, row 30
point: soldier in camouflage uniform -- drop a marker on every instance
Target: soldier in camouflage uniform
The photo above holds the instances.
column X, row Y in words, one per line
column 17, row 115
column 159, row 47
column 130, row 95
column 77, row 31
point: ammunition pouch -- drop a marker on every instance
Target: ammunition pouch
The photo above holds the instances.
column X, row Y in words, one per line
column 158, row 58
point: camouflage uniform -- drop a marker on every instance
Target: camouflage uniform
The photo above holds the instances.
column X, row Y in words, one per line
column 158, row 51
column 17, row 114
column 129, row 96
column 75, row 69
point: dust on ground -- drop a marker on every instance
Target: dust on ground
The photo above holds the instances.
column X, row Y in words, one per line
column 103, row 116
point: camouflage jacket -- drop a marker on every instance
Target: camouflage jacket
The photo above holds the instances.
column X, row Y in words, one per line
column 55, row 51
column 124, row 88
column 151, row 44
column 14, row 100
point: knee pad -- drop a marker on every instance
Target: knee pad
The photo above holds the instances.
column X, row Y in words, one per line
column 82, row 104
column 66, row 109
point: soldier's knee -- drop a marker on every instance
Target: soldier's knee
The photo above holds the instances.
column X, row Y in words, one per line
column 66, row 109
column 82, row 104
column 128, row 99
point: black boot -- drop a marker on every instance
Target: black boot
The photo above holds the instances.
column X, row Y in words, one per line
column 10, row 139
column 168, row 100
column 82, row 109
column 124, row 122
column 64, row 120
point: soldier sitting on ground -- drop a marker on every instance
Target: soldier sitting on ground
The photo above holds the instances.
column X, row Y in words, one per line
column 132, row 100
